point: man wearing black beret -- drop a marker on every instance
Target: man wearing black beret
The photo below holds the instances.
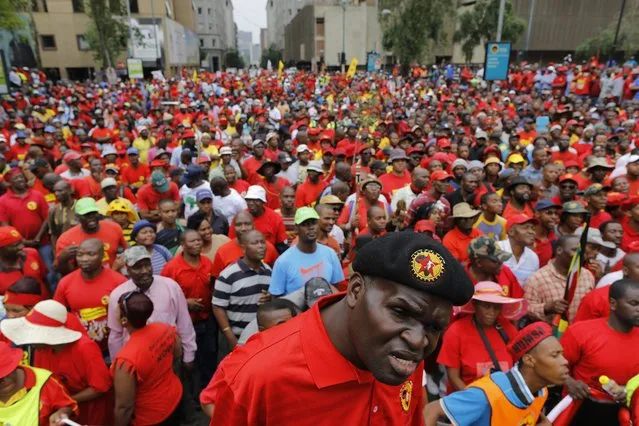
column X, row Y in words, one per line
column 355, row 357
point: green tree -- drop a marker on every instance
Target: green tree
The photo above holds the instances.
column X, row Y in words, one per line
column 412, row 27
column 107, row 34
column 233, row 60
column 603, row 43
column 273, row 54
column 479, row 25
column 9, row 17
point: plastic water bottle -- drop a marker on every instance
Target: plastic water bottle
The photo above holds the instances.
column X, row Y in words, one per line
column 609, row 385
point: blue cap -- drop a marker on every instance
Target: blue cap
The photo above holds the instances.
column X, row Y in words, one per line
column 132, row 151
column 546, row 203
column 21, row 134
column 140, row 225
column 620, row 130
column 49, row 129
column 193, row 171
column 203, row 194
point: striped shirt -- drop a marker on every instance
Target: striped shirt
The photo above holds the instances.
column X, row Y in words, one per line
column 237, row 290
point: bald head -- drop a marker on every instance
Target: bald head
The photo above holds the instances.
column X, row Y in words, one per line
column 92, row 244
column 631, row 266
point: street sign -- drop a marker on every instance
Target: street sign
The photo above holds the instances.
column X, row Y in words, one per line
column 497, row 60
column 135, row 68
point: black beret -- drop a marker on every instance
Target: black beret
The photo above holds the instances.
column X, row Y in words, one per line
column 417, row 261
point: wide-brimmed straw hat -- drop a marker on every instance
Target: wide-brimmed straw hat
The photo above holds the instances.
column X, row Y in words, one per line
column 45, row 324
column 491, row 292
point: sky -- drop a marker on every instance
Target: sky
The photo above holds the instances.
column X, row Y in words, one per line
column 250, row 15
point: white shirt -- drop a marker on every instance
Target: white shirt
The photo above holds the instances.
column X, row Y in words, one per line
column 187, row 195
column 609, row 262
column 68, row 176
column 609, row 278
column 527, row 265
column 230, row 205
column 338, row 234
column 290, row 174
column 406, row 194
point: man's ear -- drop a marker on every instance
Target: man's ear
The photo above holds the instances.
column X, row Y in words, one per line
column 355, row 290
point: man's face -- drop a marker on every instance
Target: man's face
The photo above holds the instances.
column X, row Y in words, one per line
column 566, row 253
column 168, row 213
column 287, row 198
column 229, row 174
column 393, row 327
column 96, row 166
column 549, row 218
column 206, row 205
column 62, row 191
column 564, row 143
column 633, row 168
column 89, row 258
column 327, row 220
column 591, row 252
column 574, row 221
column 465, row 224
column 255, row 207
column 523, row 234
column 551, row 173
column 307, row 230
column 192, row 244
column 255, row 246
column 627, row 307
column 541, row 157
column 469, row 183
column 18, row 183
column 420, row 178
column 599, row 174
column 522, row 193
column 549, row 361
column 567, row 190
column 141, row 274
column 258, row 150
column 90, row 222
column 489, row 266
column 378, row 220
column 441, row 186
column 313, row 176
column 599, row 200
column 494, row 203
column 372, row 191
column 613, row 233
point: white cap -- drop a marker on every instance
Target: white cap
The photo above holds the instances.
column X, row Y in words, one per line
column 107, row 182
column 619, row 171
column 315, row 166
column 226, row 150
column 479, row 133
column 255, row 192
column 302, row 148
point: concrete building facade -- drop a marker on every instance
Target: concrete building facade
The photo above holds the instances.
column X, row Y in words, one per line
column 167, row 28
column 279, row 13
column 216, row 31
column 317, row 33
column 245, row 45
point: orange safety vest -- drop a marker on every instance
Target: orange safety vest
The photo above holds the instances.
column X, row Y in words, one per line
column 502, row 411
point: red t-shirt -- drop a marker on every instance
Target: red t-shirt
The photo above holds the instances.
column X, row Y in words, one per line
column 195, row 282
column 78, row 366
column 109, row 233
column 273, row 191
column 231, row 253
column 251, row 165
column 510, row 211
column 87, row 187
column 543, row 248
column 307, row 193
column 457, row 243
column 17, row 152
column 598, row 218
column 270, row 224
column 463, row 349
column 149, row 198
column 391, row 183
column 88, row 300
column 507, row 280
column 634, row 187
column 136, row 177
column 26, row 213
column 33, row 266
column 148, row 356
column 562, row 157
column 595, row 304
column 241, row 186
column 592, row 349
column 629, row 235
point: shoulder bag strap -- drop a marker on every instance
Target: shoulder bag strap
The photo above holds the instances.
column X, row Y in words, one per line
column 489, row 348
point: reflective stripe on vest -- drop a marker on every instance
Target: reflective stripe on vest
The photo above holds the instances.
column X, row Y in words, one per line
column 27, row 410
column 502, row 411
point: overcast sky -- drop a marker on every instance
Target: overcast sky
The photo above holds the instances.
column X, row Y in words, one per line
column 250, row 15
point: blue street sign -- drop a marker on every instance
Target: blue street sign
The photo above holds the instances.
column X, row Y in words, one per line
column 497, row 61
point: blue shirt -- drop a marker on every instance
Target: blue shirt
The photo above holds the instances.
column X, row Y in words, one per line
column 293, row 269
column 470, row 407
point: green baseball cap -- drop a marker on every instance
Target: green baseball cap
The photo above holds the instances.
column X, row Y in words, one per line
column 86, row 205
column 159, row 181
column 487, row 247
column 305, row 213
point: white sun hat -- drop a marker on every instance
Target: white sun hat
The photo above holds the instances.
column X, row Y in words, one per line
column 45, row 324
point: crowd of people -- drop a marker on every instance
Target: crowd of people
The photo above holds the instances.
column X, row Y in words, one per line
column 264, row 246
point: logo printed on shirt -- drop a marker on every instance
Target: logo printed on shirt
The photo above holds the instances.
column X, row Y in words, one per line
column 427, row 265
column 35, row 266
column 405, row 394
column 31, row 205
column 529, row 420
column 105, row 300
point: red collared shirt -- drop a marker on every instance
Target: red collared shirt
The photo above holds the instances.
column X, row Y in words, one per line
column 195, row 282
column 283, row 374
column 26, row 213
column 270, row 224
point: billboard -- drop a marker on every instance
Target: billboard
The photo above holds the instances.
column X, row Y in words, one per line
column 134, row 67
column 496, row 61
column 183, row 44
column 144, row 45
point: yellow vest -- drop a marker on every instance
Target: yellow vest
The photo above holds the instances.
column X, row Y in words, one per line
column 26, row 411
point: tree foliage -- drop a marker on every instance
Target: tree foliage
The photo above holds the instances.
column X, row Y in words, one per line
column 9, row 18
column 479, row 25
column 603, row 43
column 107, row 34
column 273, row 54
column 233, row 60
column 413, row 26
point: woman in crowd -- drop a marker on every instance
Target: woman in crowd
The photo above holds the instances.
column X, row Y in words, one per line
column 199, row 221
column 144, row 235
column 147, row 391
column 476, row 343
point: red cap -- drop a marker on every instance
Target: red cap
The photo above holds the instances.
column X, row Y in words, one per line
column 14, row 171
column 439, row 175
column 314, row 132
column 570, row 163
column 329, row 150
column 325, row 137
column 340, row 151
column 9, row 235
column 158, row 163
column 527, row 338
column 424, row 225
column 519, row 219
column 188, row 134
column 363, row 148
column 414, row 149
column 10, row 357
column 72, row 155
column 567, row 176
column 616, row 198
column 443, row 143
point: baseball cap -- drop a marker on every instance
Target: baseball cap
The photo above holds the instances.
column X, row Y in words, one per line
column 203, row 194
column 159, row 182
column 134, row 254
column 305, row 213
column 226, row 150
column 72, row 155
column 86, row 205
column 330, row 199
column 107, row 182
column 315, row 166
column 301, row 148
column 132, row 151
column 594, row 237
column 438, row 175
column 544, row 204
column 574, row 207
column 487, row 247
column 595, row 188
column 519, row 219
column 256, row 142
column 255, row 192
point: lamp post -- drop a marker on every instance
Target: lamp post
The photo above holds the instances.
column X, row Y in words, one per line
column 343, row 3
column 614, row 43
column 500, row 22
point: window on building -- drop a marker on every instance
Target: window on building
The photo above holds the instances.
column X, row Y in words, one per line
column 133, row 4
column 210, row 11
column 78, row 6
column 47, row 42
column 213, row 42
column 290, row 12
column 210, row 27
column 201, row 42
column 82, row 42
column 199, row 10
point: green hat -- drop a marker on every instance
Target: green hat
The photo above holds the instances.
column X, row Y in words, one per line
column 595, row 189
column 574, row 207
column 85, row 206
column 486, row 247
column 159, row 182
column 305, row 213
